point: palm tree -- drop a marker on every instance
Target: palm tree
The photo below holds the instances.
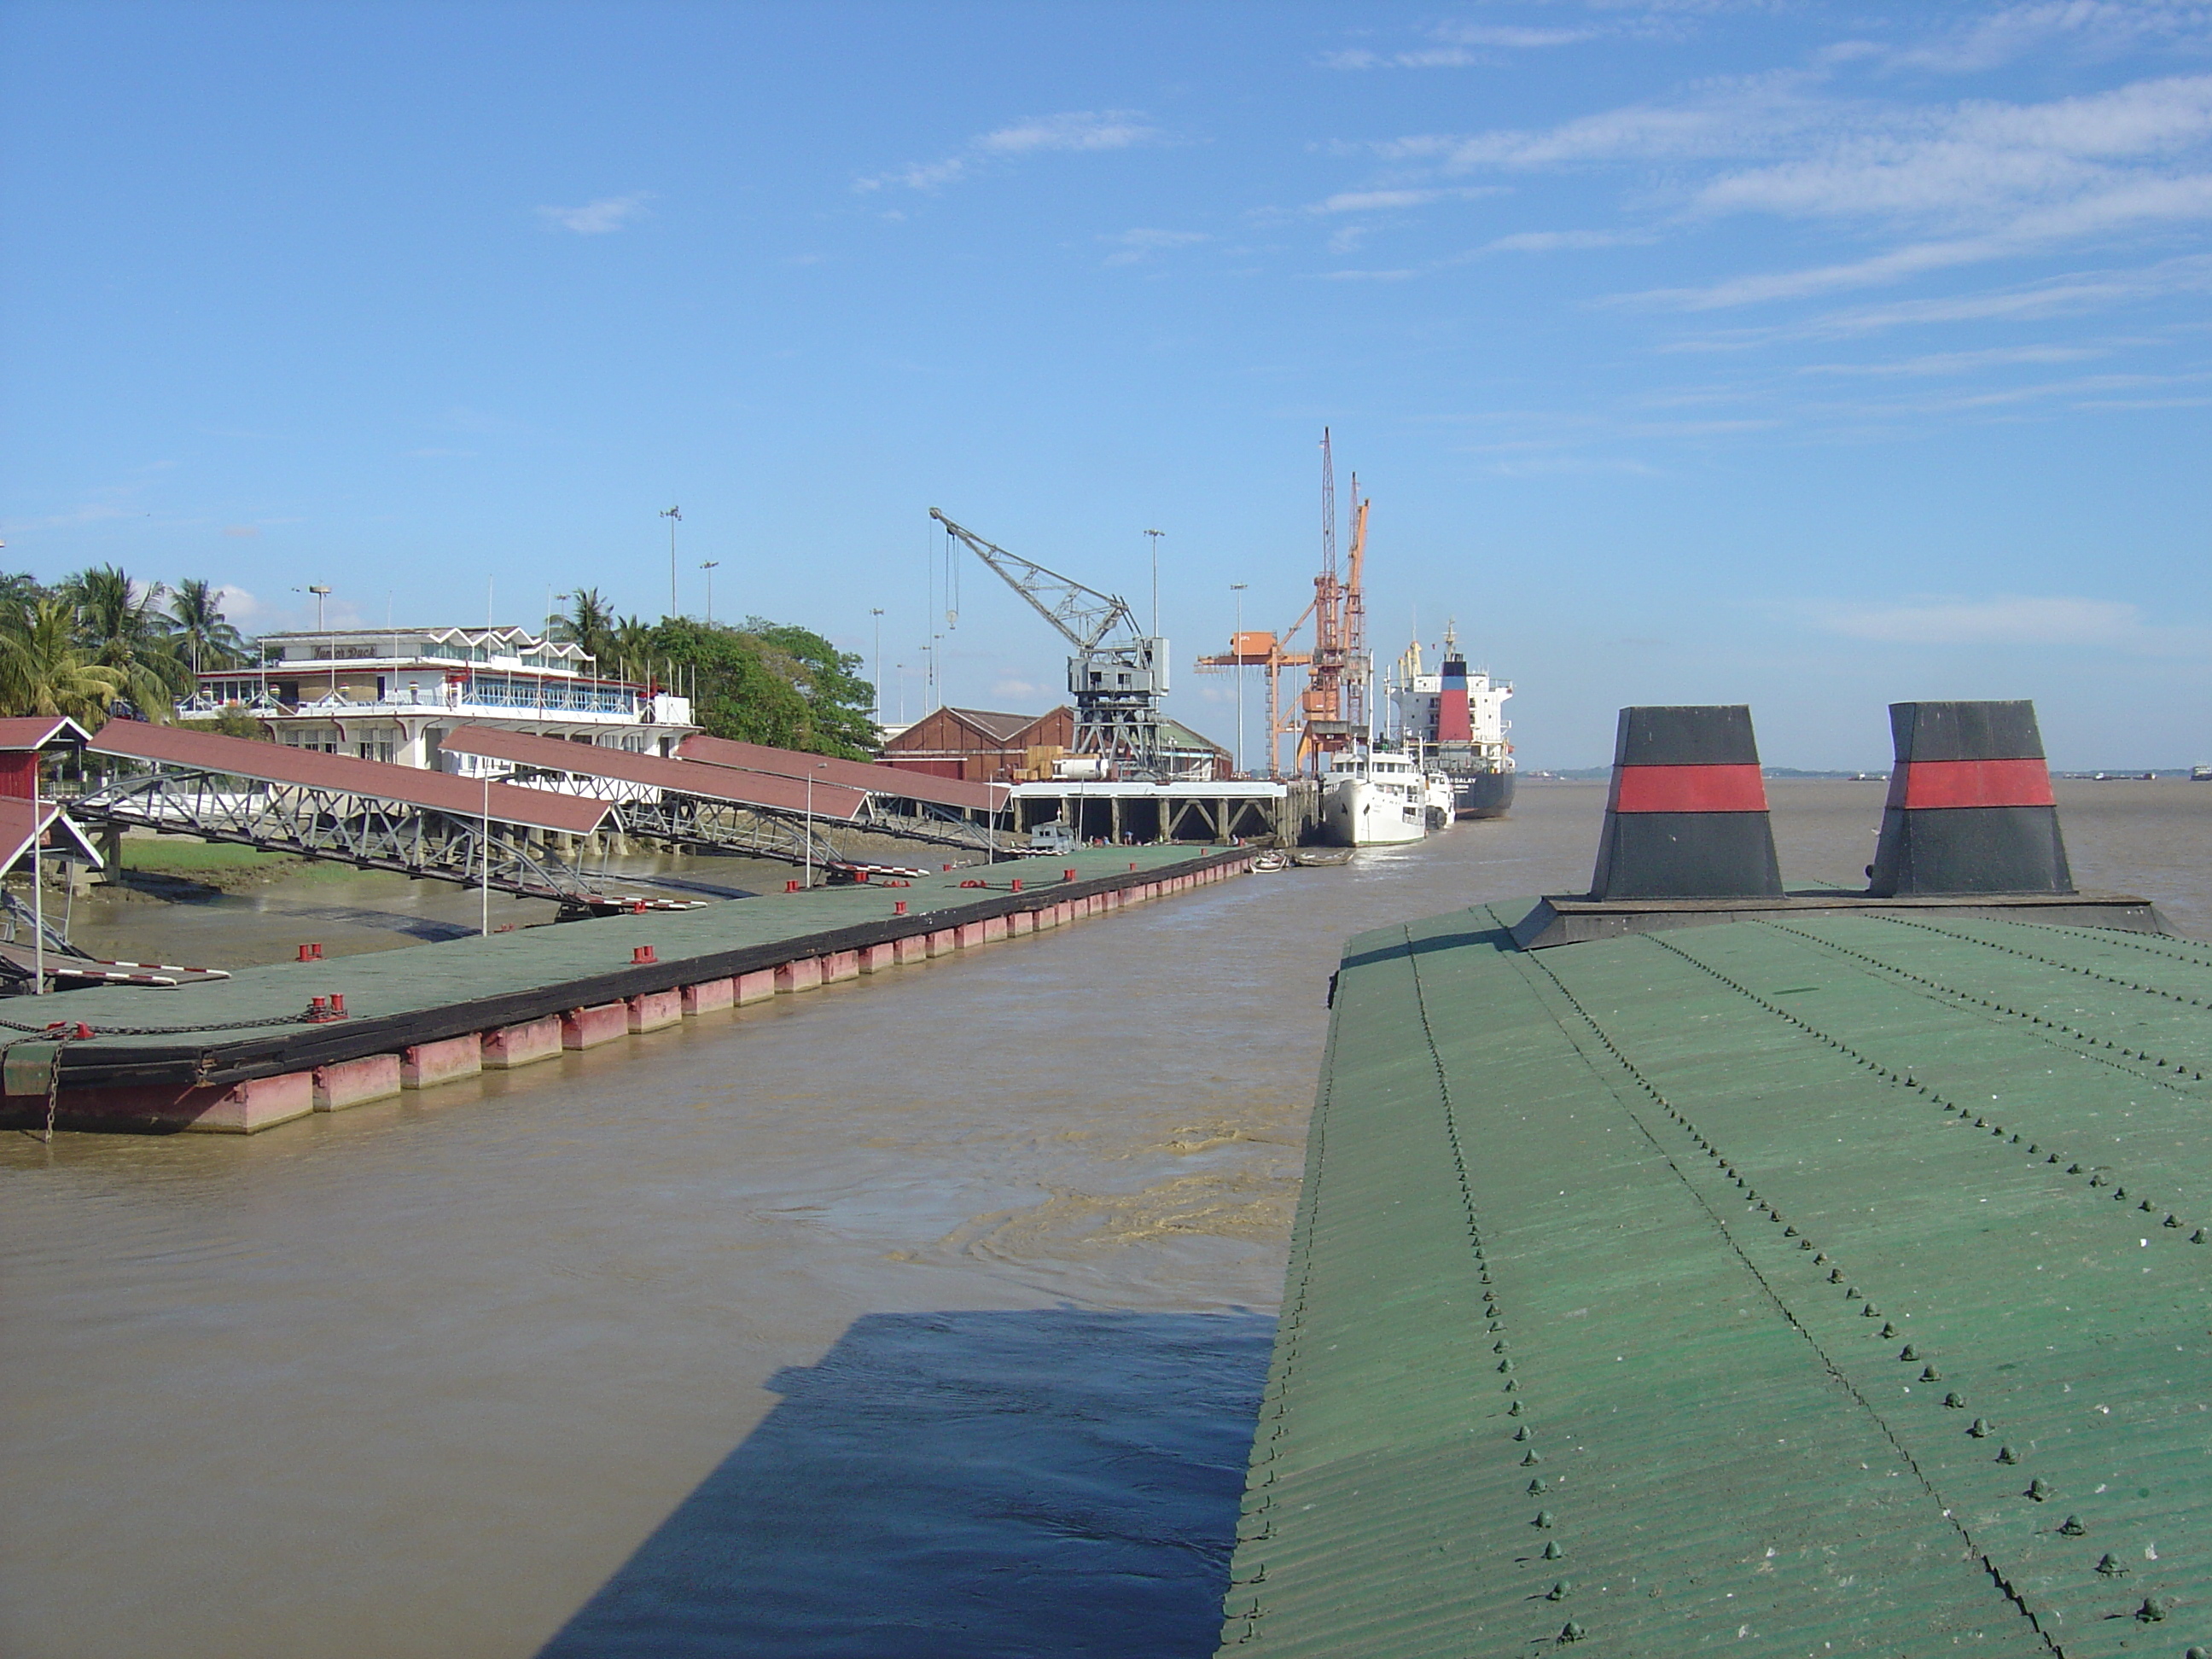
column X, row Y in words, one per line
column 43, row 670
column 590, row 623
column 204, row 634
column 632, row 642
column 120, row 627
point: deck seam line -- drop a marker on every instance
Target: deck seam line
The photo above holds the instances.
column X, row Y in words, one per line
column 1995, row 1574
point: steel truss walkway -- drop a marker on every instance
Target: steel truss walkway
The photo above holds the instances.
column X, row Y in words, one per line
column 424, row 825
column 912, row 805
column 725, row 808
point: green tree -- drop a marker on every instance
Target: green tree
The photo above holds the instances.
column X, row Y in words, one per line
column 45, row 671
column 590, row 622
column 120, row 626
column 232, row 721
column 199, row 630
column 768, row 682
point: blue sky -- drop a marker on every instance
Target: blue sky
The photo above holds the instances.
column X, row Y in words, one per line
column 1814, row 357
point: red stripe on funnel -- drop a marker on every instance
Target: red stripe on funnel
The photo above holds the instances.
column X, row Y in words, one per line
column 1687, row 789
column 1918, row 784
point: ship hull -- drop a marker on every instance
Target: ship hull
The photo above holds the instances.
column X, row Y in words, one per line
column 1482, row 794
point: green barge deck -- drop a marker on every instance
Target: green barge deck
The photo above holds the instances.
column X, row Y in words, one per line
column 1819, row 1286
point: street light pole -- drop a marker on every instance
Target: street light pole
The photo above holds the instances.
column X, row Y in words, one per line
column 877, row 613
column 675, row 516
column 321, row 593
column 1236, row 650
column 709, row 567
column 819, row 766
column 1155, row 535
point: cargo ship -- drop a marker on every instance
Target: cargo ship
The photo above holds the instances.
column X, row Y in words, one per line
column 1453, row 721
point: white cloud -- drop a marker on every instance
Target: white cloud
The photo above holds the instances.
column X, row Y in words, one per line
column 1076, row 130
column 2006, row 620
column 1951, row 185
column 236, row 604
column 1960, row 362
column 1114, row 129
column 2012, row 32
column 1132, row 246
column 1382, row 201
column 1458, row 46
column 1553, row 241
column 609, row 213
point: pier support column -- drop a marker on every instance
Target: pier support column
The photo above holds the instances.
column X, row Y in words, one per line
column 759, row 986
column 588, row 1028
column 426, row 1065
column 510, row 1046
column 709, row 996
column 915, row 947
column 355, row 1082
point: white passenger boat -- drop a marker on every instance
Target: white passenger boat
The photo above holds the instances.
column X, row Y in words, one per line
column 1373, row 799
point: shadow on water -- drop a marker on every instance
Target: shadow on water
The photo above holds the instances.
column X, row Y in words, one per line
column 952, row 1485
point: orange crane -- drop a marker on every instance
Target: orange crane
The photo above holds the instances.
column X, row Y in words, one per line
column 1332, row 709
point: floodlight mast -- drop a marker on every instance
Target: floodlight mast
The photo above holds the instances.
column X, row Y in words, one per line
column 1117, row 683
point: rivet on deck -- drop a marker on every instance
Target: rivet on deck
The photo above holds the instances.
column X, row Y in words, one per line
column 2072, row 1168
column 1553, row 1551
column 2111, row 1569
column 1888, row 1331
column 1909, row 1352
column 2155, row 1608
column 1522, row 1433
column 2145, row 1206
column 1537, row 1488
column 1543, row 1518
column 2006, row 1454
column 1870, row 1311
column 1805, row 1244
column 1979, row 1428
column 2071, row 1527
column 1529, row 1459
column 1929, row 1374
column 1571, row 1631
column 2040, row 1490
column 1562, row 1590
column 1955, row 1400
column 2171, row 1221
column 1821, row 1260
column 2197, row 1237
column 1835, row 1274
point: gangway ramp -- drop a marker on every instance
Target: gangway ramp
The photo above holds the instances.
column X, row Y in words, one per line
column 368, row 813
column 731, row 809
column 681, row 801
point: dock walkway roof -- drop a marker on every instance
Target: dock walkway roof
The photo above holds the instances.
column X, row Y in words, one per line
column 893, row 782
column 717, row 783
column 311, row 768
column 1827, row 1287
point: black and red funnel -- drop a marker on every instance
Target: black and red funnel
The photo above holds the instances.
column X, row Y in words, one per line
column 1686, row 818
column 1970, row 807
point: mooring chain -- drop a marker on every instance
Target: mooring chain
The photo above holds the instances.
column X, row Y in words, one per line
column 1953, row 1398
column 61, row 1039
column 2098, row 1175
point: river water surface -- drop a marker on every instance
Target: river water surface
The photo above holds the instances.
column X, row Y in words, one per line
column 921, row 1316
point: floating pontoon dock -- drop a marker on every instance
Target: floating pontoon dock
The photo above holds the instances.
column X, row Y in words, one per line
column 247, row 1054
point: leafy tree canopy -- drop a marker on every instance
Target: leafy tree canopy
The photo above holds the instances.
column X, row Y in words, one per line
column 764, row 682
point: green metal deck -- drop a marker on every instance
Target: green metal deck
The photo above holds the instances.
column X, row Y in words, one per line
column 1832, row 1288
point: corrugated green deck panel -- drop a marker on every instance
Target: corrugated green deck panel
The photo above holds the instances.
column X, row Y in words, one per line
column 458, row 970
column 1612, row 1158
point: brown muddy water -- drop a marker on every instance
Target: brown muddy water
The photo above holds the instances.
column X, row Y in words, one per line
column 924, row 1316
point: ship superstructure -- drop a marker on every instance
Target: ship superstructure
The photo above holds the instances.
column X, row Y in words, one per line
column 1453, row 719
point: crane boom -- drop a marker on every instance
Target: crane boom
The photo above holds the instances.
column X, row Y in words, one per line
column 1083, row 615
column 1117, row 682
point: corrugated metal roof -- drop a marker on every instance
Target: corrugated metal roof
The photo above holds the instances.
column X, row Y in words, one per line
column 686, row 777
column 16, row 830
column 537, row 809
column 21, row 732
column 879, row 780
column 1827, row 1288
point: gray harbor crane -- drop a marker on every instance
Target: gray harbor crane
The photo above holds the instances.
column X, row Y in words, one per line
column 1116, row 673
